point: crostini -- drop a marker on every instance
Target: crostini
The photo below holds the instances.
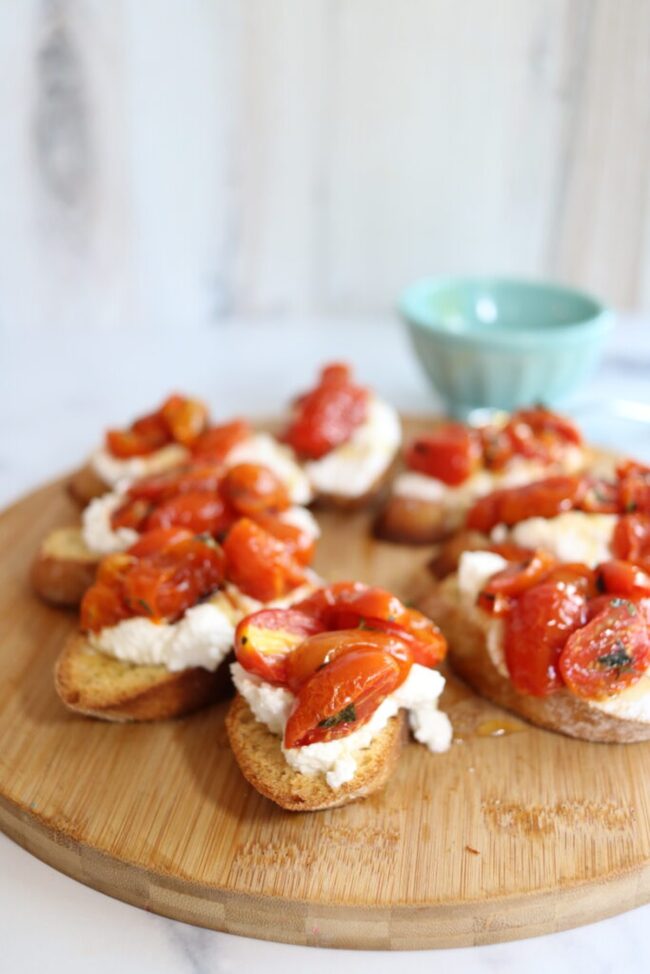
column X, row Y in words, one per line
column 159, row 620
column 346, row 437
column 203, row 496
column 448, row 468
column 566, row 646
column 322, row 693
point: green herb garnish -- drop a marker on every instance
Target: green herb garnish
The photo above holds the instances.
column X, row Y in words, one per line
column 346, row 716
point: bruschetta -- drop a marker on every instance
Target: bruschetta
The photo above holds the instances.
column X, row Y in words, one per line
column 450, row 467
column 323, row 690
column 346, row 437
column 159, row 620
column 565, row 646
column 203, row 496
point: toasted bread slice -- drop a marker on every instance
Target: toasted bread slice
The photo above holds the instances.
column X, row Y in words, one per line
column 347, row 502
column 262, row 763
column 64, row 567
column 409, row 520
column 84, row 485
column 98, row 685
column 561, row 711
column 445, row 561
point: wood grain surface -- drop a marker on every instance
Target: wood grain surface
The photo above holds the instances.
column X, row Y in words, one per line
column 502, row 837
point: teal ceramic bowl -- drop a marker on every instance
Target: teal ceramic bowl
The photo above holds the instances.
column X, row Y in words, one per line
column 500, row 343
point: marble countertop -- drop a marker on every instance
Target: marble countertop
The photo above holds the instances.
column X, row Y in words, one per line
column 56, row 392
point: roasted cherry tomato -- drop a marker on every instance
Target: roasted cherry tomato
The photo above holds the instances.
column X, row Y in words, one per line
column 496, row 446
column 102, row 605
column 133, row 513
column 451, row 453
column 192, row 477
column 301, row 543
column 634, row 487
column 575, row 576
column 178, row 420
column 159, row 585
column 510, row 551
column 253, row 489
column 200, row 512
column 327, row 416
column 599, row 496
column 319, row 603
column 163, row 586
column 265, row 640
column 536, row 629
column 619, row 577
column 341, row 697
column 631, row 539
column 185, row 418
column 609, row 654
column 217, row 441
column 514, row 579
column 320, row 650
column 154, row 541
column 538, row 434
column 545, row 498
column 259, row 564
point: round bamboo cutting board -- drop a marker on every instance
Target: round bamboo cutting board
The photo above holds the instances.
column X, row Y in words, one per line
column 514, row 832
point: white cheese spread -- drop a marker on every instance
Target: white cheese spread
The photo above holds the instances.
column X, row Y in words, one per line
column 337, row 759
column 112, row 469
column 353, row 469
column 264, row 449
column 572, row 536
column 97, row 531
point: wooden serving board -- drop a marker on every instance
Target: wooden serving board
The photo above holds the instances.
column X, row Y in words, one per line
column 502, row 837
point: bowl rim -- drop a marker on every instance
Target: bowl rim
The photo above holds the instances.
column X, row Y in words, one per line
column 596, row 324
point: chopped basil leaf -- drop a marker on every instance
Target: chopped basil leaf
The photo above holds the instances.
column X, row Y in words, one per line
column 145, row 605
column 346, row 716
column 618, row 658
column 631, row 608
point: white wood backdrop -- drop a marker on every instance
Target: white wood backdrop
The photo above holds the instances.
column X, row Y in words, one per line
column 167, row 161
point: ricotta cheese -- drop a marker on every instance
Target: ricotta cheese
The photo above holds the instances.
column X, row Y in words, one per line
column 98, row 534
column 112, row 470
column 337, row 759
column 475, row 569
column 352, row 469
column 572, row 536
column 264, row 449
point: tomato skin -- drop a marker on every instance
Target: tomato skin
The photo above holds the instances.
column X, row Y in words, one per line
column 102, row 605
column 322, row 649
column 133, row 513
column 301, row 544
column 216, row 442
column 252, row 489
column 451, row 453
column 341, row 697
column 266, row 640
column 200, row 512
column 631, row 539
column 624, row 578
column 327, row 416
column 514, row 579
column 259, row 564
column 545, row 498
column 536, row 629
column 319, row 603
column 634, row 487
column 609, row 654
column 152, row 542
column 185, row 418
column 511, row 551
column 125, row 444
column 537, row 432
column 599, row 496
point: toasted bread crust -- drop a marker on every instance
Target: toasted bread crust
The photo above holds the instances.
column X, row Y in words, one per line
column 262, row 763
column 445, row 561
column 84, row 485
column 64, row 567
column 97, row 685
column 408, row 520
column 562, row 711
